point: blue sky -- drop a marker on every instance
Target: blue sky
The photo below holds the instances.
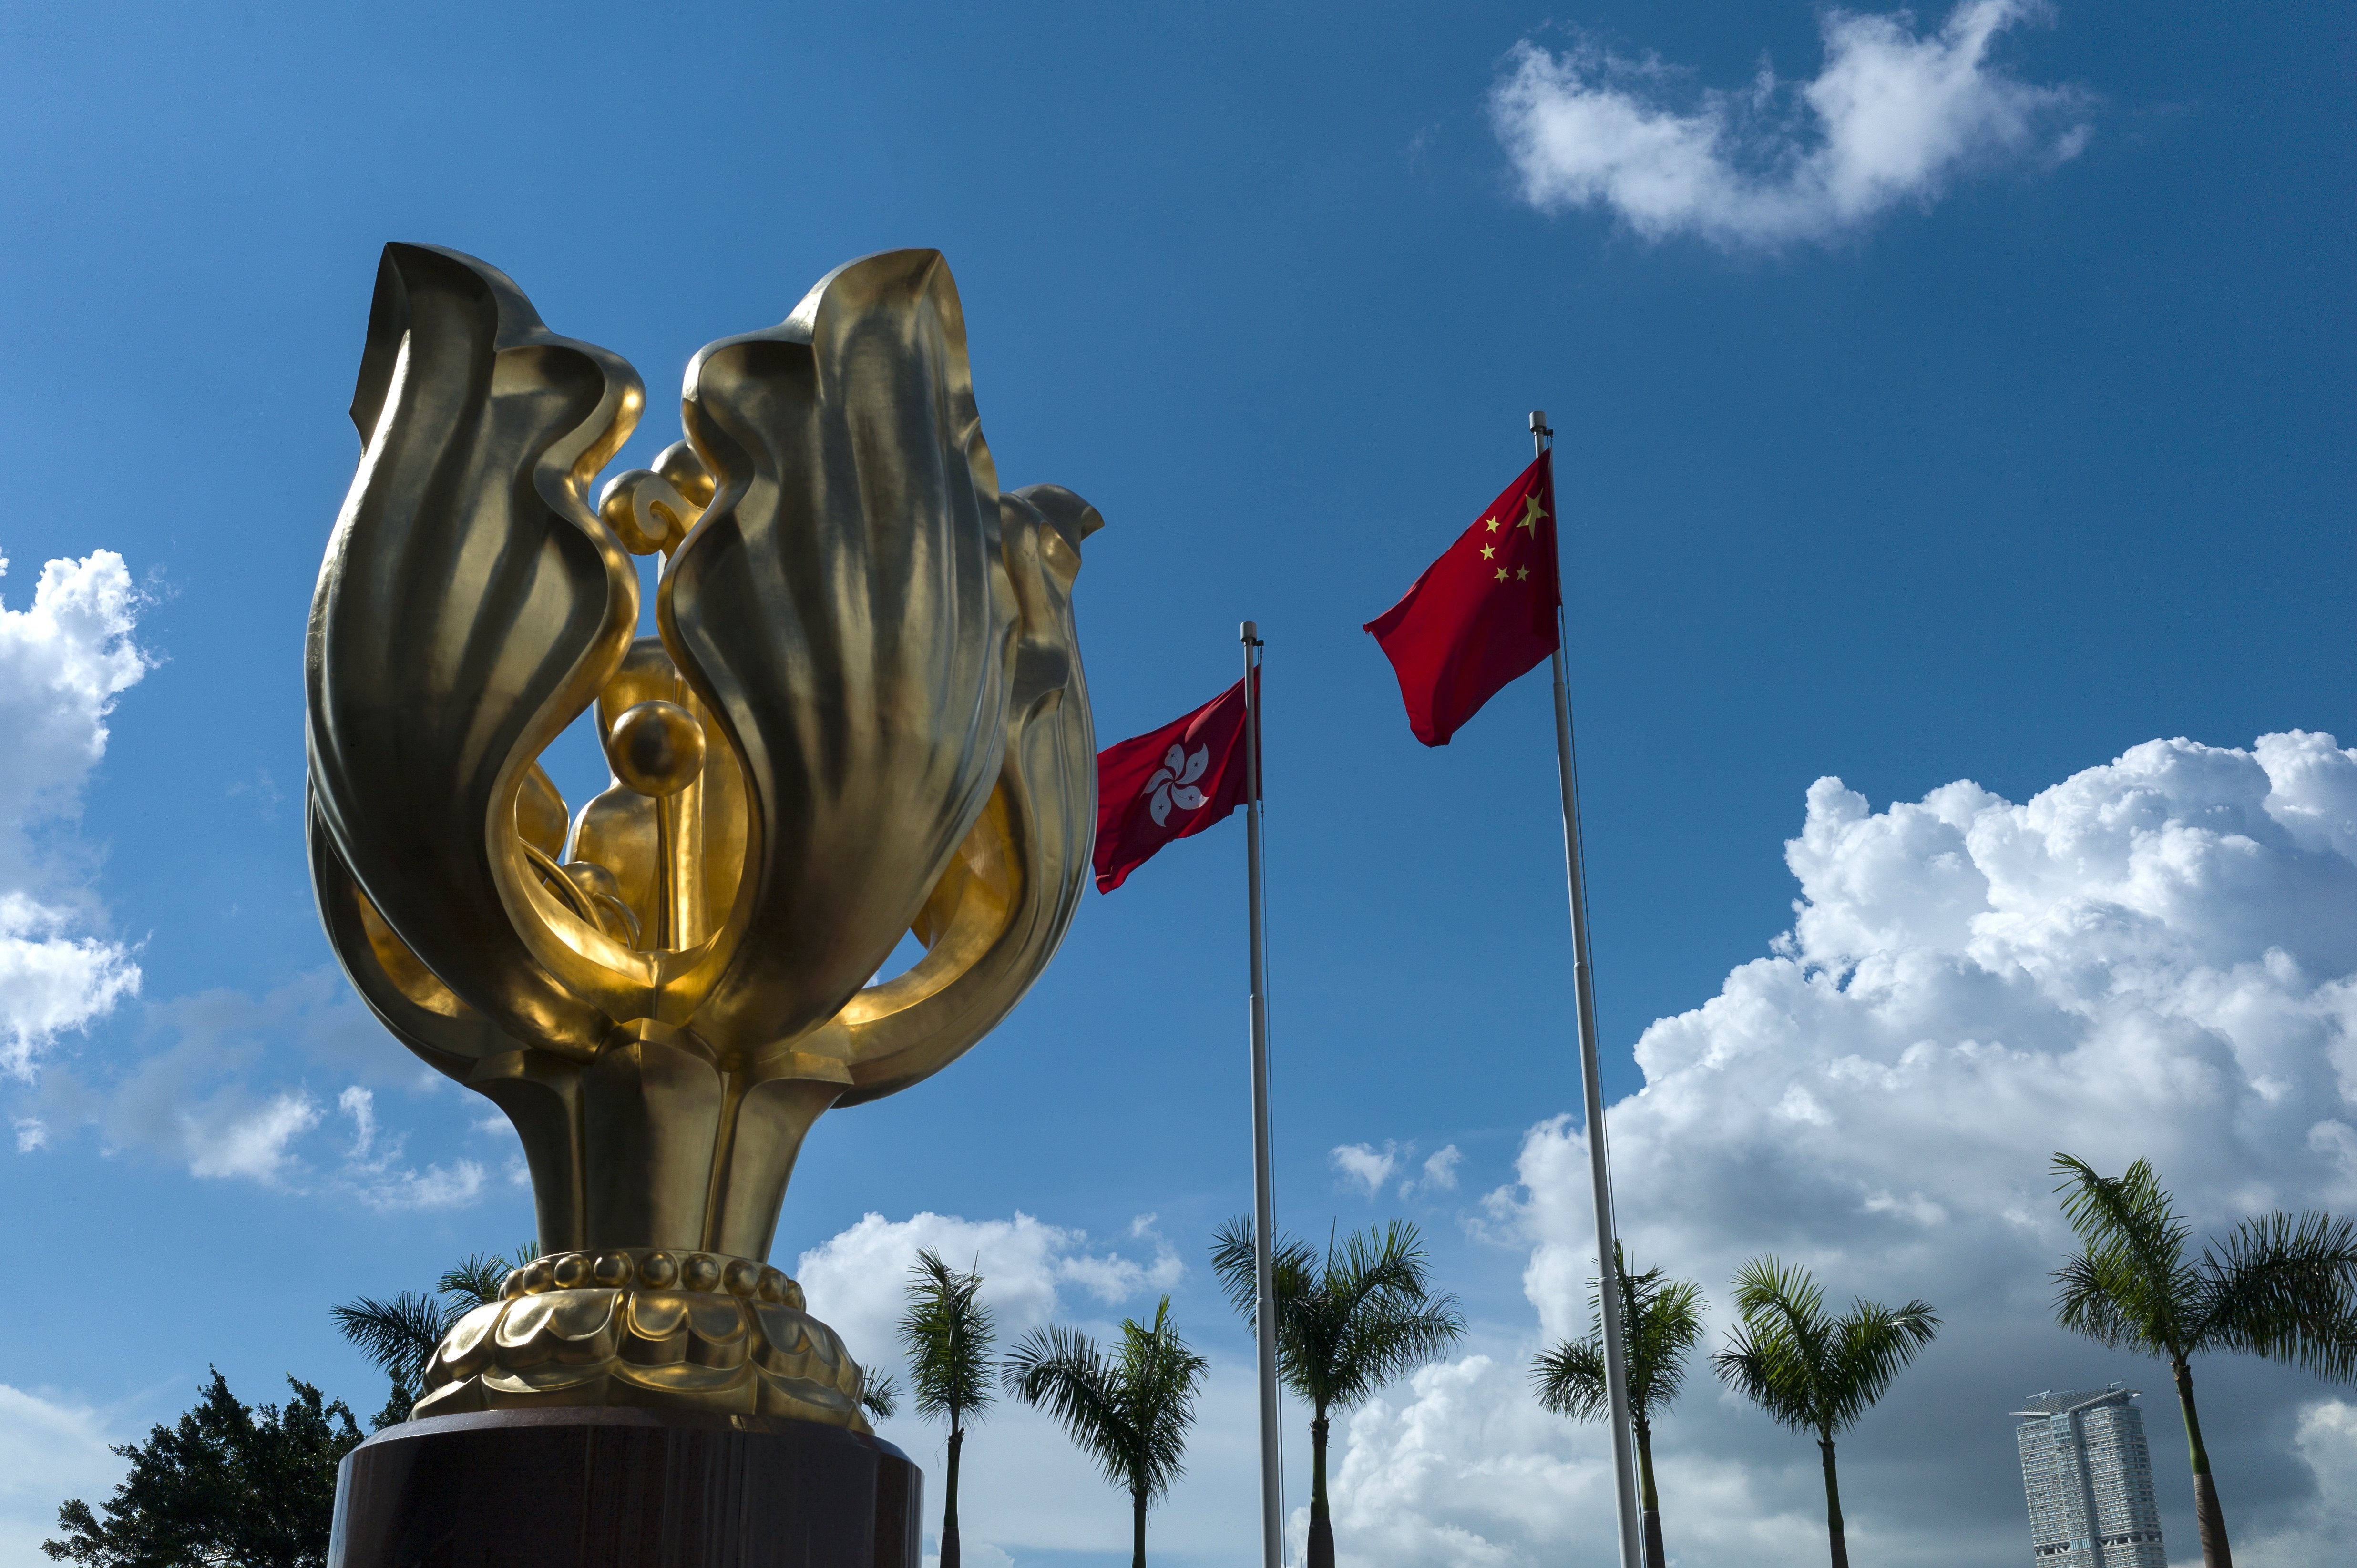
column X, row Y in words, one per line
column 1987, row 436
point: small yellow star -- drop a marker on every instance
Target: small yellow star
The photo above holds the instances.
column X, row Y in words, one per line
column 1521, row 574
column 1487, row 550
column 1501, row 573
column 1490, row 523
column 1536, row 511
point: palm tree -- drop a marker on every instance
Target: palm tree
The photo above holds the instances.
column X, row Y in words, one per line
column 1129, row 1413
column 1660, row 1321
column 1815, row 1372
column 399, row 1334
column 948, row 1332
column 2280, row 1285
column 1345, row 1326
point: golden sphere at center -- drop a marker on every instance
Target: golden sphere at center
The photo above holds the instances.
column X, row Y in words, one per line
column 658, row 748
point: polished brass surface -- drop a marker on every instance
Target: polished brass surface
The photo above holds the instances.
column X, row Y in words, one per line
column 646, row 1327
column 863, row 715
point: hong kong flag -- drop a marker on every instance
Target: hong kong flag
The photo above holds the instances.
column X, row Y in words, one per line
column 1169, row 783
column 1482, row 614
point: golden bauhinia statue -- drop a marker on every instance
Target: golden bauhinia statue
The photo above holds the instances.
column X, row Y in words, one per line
column 863, row 715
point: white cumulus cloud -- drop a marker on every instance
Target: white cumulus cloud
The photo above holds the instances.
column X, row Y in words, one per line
column 2154, row 958
column 858, row 1280
column 63, row 662
column 1440, row 1170
column 1365, row 1166
column 2324, row 1528
column 1023, row 1485
column 1893, row 117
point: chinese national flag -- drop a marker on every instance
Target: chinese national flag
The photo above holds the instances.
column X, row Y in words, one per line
column 1169, row 783
column 1479, row 616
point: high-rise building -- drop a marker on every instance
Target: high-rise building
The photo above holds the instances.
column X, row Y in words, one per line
column 2088, row 1476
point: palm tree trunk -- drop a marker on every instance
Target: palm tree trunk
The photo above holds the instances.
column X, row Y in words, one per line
column 1321, row 1527
column 1137, row 1527
column 2207, row 1515
column 1833, row 1506
column 1655, row 1556
column 949, row 1508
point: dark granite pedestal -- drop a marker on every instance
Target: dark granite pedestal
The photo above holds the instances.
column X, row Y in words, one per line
column 624, row 1488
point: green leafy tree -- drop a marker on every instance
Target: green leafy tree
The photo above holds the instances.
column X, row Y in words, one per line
column 1814, row 1371
column 1129, row 1412
column 1346, row 1324
column 228, row 1485
column 399, row 1334
column 1661, row 1323
column 2280, row 1285
column 948, row 1333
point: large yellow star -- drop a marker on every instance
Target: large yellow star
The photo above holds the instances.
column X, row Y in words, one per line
column 1536, row 511
column 1487, row 550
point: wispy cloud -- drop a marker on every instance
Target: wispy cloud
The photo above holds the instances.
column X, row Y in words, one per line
column 1369, row 1169
column 52, row 1446
column 1892, row 118
column 214, row 1092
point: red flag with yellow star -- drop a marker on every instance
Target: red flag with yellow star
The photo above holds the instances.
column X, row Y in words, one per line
column 1482, row 614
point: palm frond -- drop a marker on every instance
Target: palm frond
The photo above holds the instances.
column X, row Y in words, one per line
column 1236, row 1268
column 879, row 1397
column 1763, row 1363
column 2084, row 1303
column 1366, row 1317
column 1663, row 1323
column 948, row 1332
column 2285, row 1287
column 1809, row 1370
column 1060, row 1370
column 1159, row 1376
column 1130, row 1413
column 476, row 1279
column 1872, row 1344
column 1569, row 1378
column 398, row 1336
column 2130, row 1283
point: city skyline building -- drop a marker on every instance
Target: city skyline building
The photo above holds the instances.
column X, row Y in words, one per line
column 2087, row 1472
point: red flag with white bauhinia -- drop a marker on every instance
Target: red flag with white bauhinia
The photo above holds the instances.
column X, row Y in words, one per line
column 1169, row 783
column 1482, row 614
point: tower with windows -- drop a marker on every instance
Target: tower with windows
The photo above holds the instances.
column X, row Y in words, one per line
column 2089, row 1479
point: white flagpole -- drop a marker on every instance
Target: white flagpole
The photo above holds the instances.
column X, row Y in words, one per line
column 1272, row 1479
column 1600, row 1169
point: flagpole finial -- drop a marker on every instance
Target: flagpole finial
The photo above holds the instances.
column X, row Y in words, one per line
column 1539, row 424
column 1249, row 632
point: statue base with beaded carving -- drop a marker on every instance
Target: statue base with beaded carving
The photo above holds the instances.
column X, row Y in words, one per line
column 646, row 1327
column 605, row 1487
